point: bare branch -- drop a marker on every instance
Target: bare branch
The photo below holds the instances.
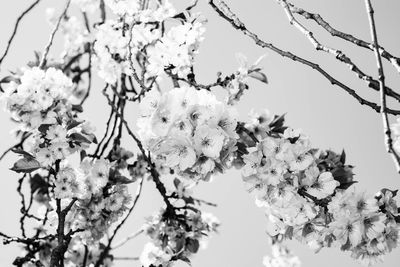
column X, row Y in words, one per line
column 26, row 11
column 395, row 61
column 385, row 119
column 224, row 11
column 339, row 55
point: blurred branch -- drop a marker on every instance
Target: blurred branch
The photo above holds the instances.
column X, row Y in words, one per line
column 26, row 11
column 127, row 239
column 43, row 61
column 224, row 11
column 385, row 119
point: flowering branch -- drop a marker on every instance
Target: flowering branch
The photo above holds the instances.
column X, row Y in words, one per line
column 111, row 238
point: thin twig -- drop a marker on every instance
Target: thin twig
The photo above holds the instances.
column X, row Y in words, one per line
column 153, row 171
column 126, row 258
column 224, row 11
column 26, row 11
column 385, row 119
column 53, row 33
column 127, row 239
column 339, row 55
column 25, row 136
column 395, row 61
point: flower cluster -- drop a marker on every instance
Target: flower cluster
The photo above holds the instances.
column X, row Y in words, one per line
column 237, row 83
column 188, row 130
column 281, row 257
column 87, row 5
column 175, row 51
column 305, row 194
column 395, row 127
column 116, row 40
column 176, row 237
column 37, row 96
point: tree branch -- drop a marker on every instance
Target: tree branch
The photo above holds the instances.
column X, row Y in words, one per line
column 43, row 61
column 224, row 11
column 339, row 55
column 26, row 11
column 395, row 61
column 385, row 119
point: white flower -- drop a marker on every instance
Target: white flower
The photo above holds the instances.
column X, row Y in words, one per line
column 341, row 205
column 272, row 172
column 208, row 141
column 365, row 204
column 153, row 256
column 177, row 152
column 252, row 163
column 374, row 225
column 346, row 229
column 56, row 134
column 281, row 257
column 98, row 174
column 321, row 186
column 45, row 157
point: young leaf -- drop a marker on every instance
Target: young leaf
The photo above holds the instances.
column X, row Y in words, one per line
column 39, row 184
column 192, row 245
column 22, row 152
column 79, row 138
column 73, row 124
column 26, row 165
column 259, row 76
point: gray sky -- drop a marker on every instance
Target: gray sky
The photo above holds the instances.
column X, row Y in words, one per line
column 326, row 113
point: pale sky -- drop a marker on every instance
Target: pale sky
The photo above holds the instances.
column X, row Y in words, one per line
column 327, row 114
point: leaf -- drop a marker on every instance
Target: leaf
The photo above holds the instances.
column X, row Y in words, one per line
column 192, row 245
column 26, row 165
column 8, row 79
column 77, row 108
column 289, row 232
column 259, row 76
column 43, row 128
column 39, row 184
column 120, row 179
column 346, row 185
column 79, row 138
column 394, row 192
column 83, row 155
column 185, row 259
column 177, row 182
column 343, row 157
column 22, row 152
column 307, row 229
column 73, row 124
